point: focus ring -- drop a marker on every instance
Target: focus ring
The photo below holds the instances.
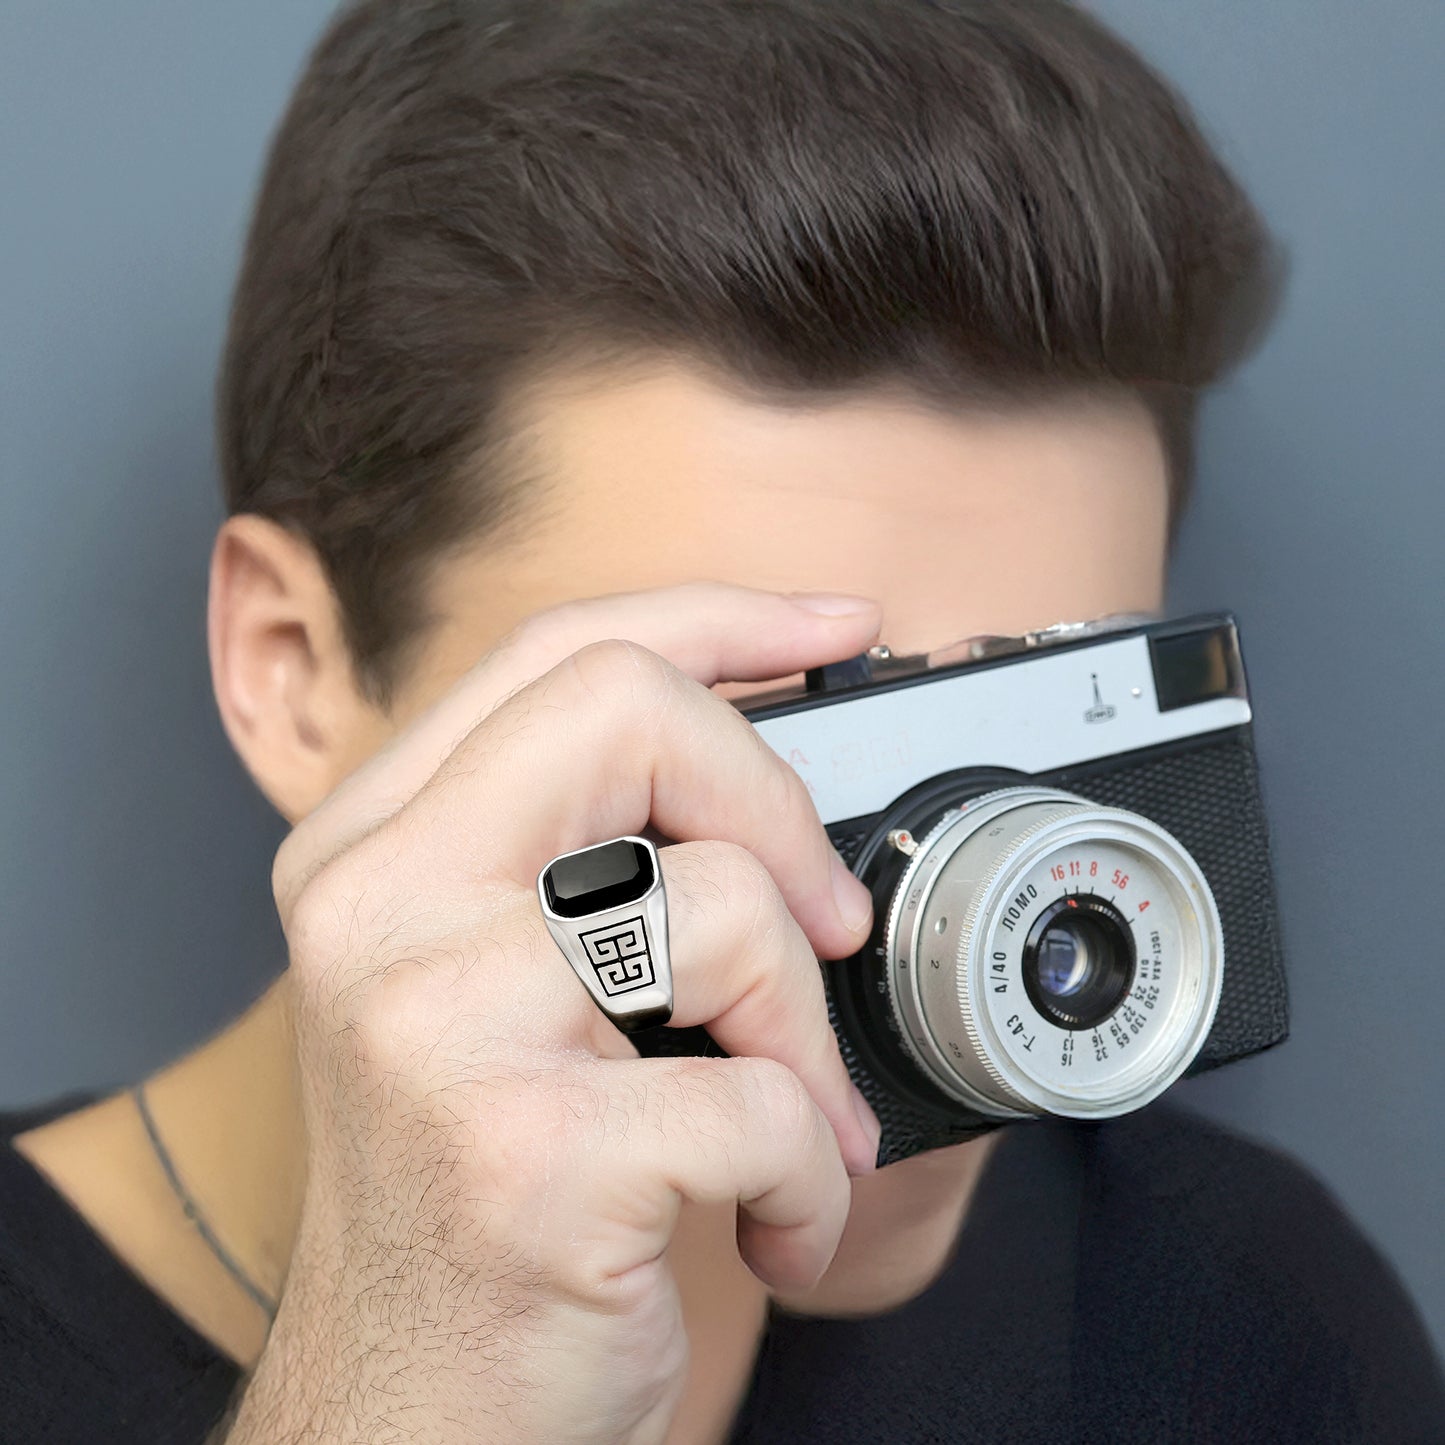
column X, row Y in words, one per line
column 1004, row 859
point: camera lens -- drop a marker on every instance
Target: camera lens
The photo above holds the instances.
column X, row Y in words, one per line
column 1047, row 955
column 1078, row 962
column 1063, row 961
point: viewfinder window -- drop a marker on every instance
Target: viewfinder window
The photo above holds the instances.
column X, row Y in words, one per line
column 1192, row 667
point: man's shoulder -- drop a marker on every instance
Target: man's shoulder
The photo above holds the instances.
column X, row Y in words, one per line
column 1174, row 1155
column 15, row 1121
column 1261, row 1288
column 90, row 1352
column 1238, row 1210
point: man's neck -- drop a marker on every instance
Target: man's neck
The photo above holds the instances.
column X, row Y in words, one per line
column 229, row 1116
column 231, row 1109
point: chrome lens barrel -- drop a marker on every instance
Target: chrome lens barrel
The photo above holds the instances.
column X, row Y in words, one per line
column 1045, row 955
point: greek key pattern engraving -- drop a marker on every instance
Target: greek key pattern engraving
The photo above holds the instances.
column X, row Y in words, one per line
column 620, row 954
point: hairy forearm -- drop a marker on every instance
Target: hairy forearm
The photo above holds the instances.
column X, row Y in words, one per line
column 295, row 1394
column 329, row 1374
column 325, row 1378
column 383, row 1366
column 299, row 1396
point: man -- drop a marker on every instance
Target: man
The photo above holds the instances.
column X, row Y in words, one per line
column 770, row 328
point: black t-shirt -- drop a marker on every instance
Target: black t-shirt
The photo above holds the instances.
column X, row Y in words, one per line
column 1149, row 1279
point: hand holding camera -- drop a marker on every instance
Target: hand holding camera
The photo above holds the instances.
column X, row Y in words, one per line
column 494, row 1176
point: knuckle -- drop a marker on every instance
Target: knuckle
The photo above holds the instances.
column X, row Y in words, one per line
column 783, row 793
column 622, row 675
column 781, row 1099
column 793, row 797
column 315, row 923
column 294, row 868
column 366, row 954
column 740, row 866
column 730, row 873
column 331, row 911
column 700, row 1090
column 388, row 1006
column 365, row 1022
column 756, row 904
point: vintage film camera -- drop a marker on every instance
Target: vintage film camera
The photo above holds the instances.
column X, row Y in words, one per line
column 1067, row 848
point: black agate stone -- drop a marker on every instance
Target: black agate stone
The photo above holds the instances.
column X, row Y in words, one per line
column 611, row 875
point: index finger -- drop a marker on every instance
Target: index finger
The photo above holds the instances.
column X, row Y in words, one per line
column 613, row 738
column 712, row 631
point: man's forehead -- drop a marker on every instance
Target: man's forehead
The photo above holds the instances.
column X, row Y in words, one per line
column 702, row 427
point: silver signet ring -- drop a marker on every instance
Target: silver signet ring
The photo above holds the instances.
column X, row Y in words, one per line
column 607, row 909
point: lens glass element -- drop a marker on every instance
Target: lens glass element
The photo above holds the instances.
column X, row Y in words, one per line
column 1078, row 961
column 1064, row 957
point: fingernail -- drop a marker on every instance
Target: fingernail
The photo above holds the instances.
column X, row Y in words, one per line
column 871, row 1127
column 854, row 902
column 831, row 604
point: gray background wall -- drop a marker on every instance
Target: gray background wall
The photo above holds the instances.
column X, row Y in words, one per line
column 133, row 854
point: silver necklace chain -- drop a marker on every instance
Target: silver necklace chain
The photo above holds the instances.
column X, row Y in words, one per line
column 192, row 1209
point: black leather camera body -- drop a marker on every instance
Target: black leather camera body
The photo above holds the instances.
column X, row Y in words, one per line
column 1066, row 843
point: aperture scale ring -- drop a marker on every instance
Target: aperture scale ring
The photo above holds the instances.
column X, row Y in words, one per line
column 972, row 1074
column 984, row 1050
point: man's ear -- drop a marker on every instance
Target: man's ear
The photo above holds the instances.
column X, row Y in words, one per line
column 280, row 665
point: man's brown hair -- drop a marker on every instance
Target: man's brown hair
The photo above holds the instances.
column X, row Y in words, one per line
column 979, row 199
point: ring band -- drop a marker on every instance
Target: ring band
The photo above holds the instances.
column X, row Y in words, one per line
column 607, row 909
